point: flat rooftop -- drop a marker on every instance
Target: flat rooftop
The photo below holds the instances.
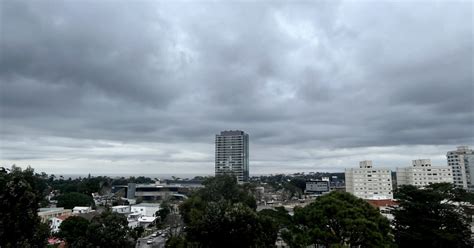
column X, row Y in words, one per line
column 44, row 210
column 146, row 205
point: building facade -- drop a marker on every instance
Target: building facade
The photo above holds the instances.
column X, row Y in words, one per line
column 368, row 183
column 421, row 174
column 145, row 209
column 56, row 222
column 317, row 187
column 462, row 163
column 122, row 209
column 81, row 210
column 232, row 154
column 48, row 213
column 151, row 192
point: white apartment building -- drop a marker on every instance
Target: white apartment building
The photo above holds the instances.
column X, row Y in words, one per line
column 369, row 183
column 462, row 163
column 421, row 173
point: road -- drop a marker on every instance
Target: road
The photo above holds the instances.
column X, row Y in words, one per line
column 158, row 242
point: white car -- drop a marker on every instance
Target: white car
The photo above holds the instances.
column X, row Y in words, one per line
column 150, row 241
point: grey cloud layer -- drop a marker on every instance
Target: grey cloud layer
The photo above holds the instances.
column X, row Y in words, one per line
column 300, row 76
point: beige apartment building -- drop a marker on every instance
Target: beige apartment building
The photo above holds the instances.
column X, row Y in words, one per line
column 421, row 173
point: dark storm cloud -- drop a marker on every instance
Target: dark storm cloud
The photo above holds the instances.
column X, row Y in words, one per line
column 86, row 44
column 154, row 81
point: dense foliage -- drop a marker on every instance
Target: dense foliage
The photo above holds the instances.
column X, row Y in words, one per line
column 222, row 214
column 20, row 194
column 279, row 214
column 74, row 199
column 105, row 230
column 432, row 217
column 165, row 210
column 85, row 186
column 74, row 230
column 338, row 220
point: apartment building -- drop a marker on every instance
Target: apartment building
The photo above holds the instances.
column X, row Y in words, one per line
column 422, row 173
column 232, row 154
column 367, row 182
column 462, row 163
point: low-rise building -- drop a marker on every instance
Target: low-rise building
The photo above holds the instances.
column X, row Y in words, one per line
column 133, row 220
column 145, row 209
column 81, row 210
column 47, row 213
column 385, row 207
column 421, row 174
column 122, row 209
column 367, row 182
column 317, row 187
column 145, row 221
column 56, row 222
column 150, row 192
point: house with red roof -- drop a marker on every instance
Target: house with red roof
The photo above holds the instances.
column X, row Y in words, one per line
column 384, row 205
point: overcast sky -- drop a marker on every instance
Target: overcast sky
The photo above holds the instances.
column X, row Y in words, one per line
column 142, row 87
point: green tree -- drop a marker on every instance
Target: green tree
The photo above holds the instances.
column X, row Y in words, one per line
column 20, row 225
column 176, row 242
column 165, row 210
column 136, row 232
column 105, row 230
column 432, row 217
column 109, row 230
column 339, row 220
column 279, row 215
column 42, row 187
column 71, row 200
column 226, row 188
column 73, row 230
column 222, row 214
column 296, row 186
column 232, row 225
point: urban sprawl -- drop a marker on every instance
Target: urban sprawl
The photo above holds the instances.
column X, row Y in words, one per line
column 143, row 200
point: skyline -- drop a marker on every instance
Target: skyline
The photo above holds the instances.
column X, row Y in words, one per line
column 119, row 87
